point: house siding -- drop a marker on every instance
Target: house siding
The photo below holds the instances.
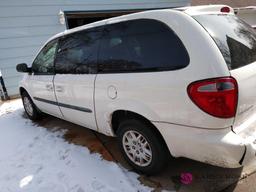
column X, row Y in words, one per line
column 26, row 25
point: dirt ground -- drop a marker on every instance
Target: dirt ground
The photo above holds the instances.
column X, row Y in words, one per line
column 204, row 177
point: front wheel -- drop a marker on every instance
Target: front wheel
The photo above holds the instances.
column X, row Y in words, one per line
column 142, row 147
column 31, row 110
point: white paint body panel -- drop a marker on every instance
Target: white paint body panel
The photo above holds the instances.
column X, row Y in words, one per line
column 246, row 109
column 41, row 86
column 217, row 147
column 76, row 90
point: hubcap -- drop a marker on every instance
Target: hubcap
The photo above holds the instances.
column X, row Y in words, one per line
column 137, row 148
column 28, row 106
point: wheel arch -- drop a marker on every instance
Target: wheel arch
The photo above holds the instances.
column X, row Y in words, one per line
column 22, row 90
column 120, row 115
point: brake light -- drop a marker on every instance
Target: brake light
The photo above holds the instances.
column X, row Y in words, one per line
column 217, row 97
column 225, row 10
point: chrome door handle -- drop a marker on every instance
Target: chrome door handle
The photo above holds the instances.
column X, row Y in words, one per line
column 59, row 89
column 49, row 87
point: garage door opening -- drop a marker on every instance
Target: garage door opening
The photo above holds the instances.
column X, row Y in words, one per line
column 78, row 18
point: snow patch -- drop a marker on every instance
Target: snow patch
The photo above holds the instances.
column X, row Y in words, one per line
column 34, row 159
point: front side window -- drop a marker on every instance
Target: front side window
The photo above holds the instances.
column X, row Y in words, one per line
column 236, row 39
column 77, row 53
column 44, row 62
column 139, row 46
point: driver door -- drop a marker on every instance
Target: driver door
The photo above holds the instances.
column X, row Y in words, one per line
column 41, row 80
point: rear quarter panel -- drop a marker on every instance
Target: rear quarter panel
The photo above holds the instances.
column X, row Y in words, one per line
column 162, row 96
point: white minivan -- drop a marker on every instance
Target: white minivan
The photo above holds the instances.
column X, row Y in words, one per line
column 179, row 82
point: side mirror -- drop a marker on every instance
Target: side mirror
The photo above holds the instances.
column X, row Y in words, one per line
column 23, row 68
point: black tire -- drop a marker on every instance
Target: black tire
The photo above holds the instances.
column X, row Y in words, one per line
column 35, row 113
column 158, row 148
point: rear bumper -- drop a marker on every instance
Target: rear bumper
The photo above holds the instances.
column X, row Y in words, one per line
column 250, row 154
column 220, row 147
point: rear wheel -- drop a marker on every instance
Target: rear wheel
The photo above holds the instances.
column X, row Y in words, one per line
column 31, row 110
column 142, row 147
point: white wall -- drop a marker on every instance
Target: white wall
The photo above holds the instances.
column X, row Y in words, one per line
column 26, row 24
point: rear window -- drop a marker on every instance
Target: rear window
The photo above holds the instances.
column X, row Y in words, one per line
column 235, row 39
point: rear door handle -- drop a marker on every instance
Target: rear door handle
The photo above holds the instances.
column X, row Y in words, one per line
column 59, row 89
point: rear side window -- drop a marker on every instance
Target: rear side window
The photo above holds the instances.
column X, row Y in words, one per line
column 77, row 53
column 141, row 45
column 235, row 39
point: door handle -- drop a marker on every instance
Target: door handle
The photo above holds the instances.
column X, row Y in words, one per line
column 49, row 87
column 59, row 89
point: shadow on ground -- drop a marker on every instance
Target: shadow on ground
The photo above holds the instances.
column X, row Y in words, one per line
column 205, row 177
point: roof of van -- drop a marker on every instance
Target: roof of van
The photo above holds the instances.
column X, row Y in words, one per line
column 190, row 10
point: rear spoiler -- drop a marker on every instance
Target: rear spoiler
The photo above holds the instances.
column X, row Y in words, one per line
column 207, row 9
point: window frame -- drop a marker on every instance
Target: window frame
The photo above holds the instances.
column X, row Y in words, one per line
column 56, row 40
column 99, row 71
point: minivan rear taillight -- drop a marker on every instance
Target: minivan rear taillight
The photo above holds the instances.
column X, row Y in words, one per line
column 217, row 97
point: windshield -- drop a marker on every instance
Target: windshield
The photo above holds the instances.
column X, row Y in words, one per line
column 235, row 39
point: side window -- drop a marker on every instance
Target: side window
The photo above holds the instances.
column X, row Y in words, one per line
column 77, row 53
column 141, row 45
column 43, row 64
